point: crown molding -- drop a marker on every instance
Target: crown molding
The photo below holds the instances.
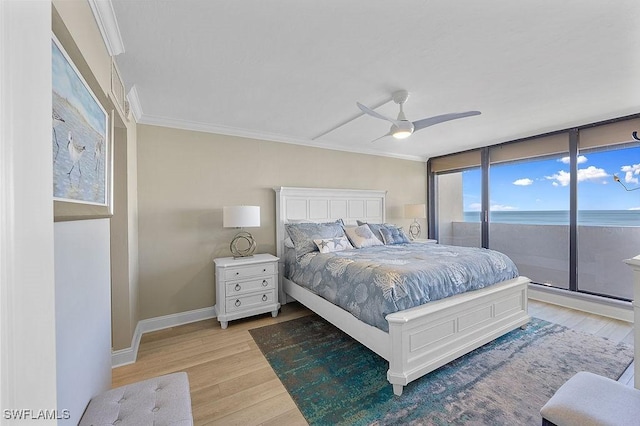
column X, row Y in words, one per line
column 134, row 104
column 243, row 133
column 108, row 25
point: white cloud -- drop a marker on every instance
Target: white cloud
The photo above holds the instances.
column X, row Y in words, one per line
column 502, row 208
column 591, row 173
column 630, row 172
column 563, row 178
column 475, row 207
column 523, row 182
column 634, row 208
column 581, row 159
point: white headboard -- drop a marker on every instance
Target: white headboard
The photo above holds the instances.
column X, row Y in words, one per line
column 324, row 205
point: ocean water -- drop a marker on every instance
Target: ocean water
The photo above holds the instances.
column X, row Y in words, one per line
column 561, row 217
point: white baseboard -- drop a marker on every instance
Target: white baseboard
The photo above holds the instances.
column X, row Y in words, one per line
column 606, row 307
column 128, row 355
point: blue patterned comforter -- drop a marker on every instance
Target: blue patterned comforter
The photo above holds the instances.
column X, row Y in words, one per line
column 375, row 281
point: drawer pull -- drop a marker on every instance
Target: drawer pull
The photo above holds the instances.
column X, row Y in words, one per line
column 264, row 283
column 237, row 273
column 238, row 288
column 238, row 303
column 264, row 270
column 264, row 297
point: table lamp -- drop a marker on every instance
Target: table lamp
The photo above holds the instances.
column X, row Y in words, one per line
column 415, row 212
column 243, row 244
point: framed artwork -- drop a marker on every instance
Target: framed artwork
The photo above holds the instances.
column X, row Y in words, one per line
column 81, row 142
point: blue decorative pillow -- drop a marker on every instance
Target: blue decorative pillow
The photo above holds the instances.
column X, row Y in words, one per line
column 303, row 234
column 393, row 235
column 375, row 228
column 362, row 236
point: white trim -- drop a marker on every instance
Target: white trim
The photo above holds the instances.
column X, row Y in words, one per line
column 108, row 25
column 155, row 120
column 603, row 306
column 134, row 104
column 28, row 368
column 7, row 268
column 129, row 355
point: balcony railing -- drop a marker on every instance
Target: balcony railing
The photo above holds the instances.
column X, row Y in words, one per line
column 541, row 253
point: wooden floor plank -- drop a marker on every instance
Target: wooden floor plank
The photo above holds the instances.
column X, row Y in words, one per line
column 232, row 383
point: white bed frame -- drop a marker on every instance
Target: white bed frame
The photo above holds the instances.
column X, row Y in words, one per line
column 420, row 339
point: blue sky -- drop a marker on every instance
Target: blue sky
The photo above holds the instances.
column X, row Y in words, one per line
column 544, row 184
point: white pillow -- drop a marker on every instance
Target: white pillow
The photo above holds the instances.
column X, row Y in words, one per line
column 288, row 243
column 362, row 236
column 329, row 245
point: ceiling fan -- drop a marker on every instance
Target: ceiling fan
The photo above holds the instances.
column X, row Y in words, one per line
column 402, row 128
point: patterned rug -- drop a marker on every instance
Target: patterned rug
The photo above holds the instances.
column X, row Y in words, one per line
column 335, row 380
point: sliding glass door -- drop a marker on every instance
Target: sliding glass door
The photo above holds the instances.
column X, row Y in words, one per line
column 608, row 210
column 458, row 187
column 529, row 218
column 563, row 205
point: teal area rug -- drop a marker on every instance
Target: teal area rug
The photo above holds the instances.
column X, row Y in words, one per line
column 335, row 380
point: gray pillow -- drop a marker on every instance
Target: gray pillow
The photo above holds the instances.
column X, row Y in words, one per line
column 303, row 234
column 375, row 228
column 394, row 235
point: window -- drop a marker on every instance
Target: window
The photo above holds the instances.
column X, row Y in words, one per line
column 456, row 199
column 550, row 203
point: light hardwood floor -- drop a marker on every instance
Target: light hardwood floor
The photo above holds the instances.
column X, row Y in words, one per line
column 233, row 384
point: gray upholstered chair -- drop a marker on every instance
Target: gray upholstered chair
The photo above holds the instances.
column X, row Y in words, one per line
column 591, row 400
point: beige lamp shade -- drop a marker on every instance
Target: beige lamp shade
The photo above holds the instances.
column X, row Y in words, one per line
column 415, row 211
column 240, row 216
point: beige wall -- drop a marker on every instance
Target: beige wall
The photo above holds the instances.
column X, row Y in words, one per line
column 186, row 177
column 74, row 25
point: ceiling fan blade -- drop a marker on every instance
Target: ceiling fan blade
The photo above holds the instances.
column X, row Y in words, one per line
column 426, row 122
column 372, row 113
column 383, row 136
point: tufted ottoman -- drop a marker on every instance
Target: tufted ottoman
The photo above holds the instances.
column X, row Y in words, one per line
column 163, row 400
column 587, row 399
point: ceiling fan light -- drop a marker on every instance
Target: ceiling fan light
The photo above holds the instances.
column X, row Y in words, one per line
column 401, row 134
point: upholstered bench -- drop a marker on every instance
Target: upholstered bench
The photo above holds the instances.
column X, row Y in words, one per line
column 163, row 400
column 587, row 399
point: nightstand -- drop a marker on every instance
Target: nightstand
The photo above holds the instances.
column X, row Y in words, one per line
column 246, row 286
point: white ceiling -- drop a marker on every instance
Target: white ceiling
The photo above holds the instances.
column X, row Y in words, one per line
column 290, row 70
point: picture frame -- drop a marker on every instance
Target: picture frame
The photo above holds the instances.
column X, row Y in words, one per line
column 82, row 144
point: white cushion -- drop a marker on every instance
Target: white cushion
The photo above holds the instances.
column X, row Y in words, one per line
column 362, row 236
column 329, row 245
column 588, row 399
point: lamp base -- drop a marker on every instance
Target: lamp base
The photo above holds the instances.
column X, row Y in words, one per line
column 414, row 230
column 242, row 245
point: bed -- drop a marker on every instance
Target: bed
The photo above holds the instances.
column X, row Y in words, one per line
column 417, row 340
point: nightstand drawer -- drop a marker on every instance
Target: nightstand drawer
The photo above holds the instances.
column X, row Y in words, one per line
column 249, row 271
column 242, row 287
column 250, row 301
